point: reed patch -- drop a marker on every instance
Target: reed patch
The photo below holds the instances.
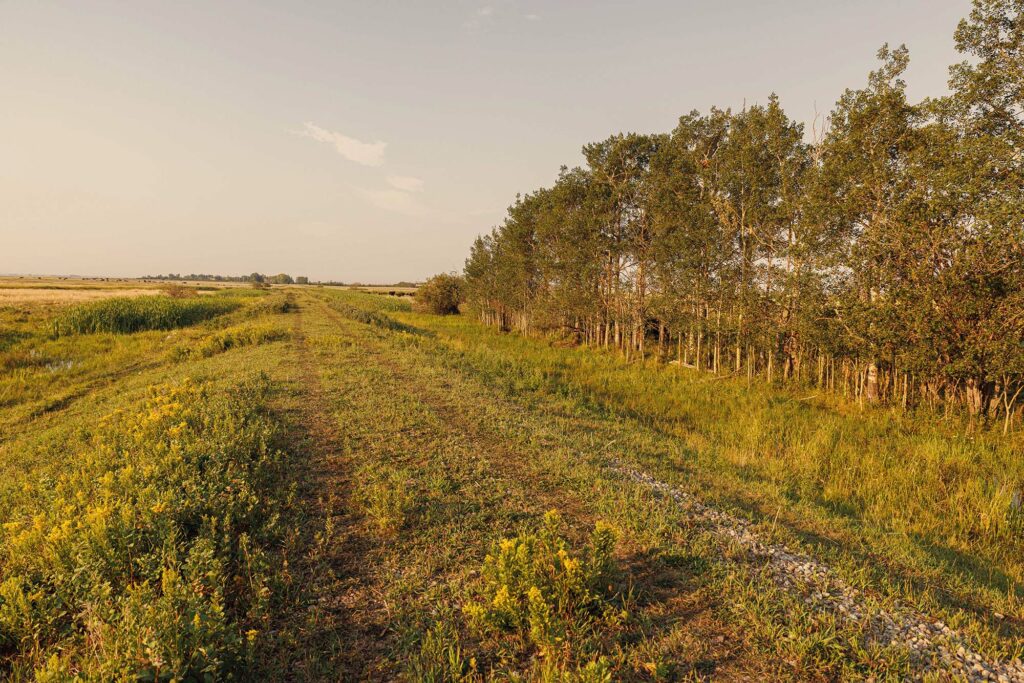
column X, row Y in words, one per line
column 123, row 315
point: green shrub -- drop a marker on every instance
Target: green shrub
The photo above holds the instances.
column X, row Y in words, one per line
column 125, row 315
column 440, row 295
column 147, row 557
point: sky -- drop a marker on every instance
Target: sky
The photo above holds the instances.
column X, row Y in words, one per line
column 371, row 141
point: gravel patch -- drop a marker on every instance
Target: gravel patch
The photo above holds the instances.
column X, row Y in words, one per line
column 933, row 646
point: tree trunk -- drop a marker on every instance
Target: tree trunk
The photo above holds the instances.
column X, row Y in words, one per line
column 871, row 383
column 979, row 396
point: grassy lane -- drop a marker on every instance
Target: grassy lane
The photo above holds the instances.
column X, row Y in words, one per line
column 386, row 493
column 698, row 607
column 435, row 491
column 326, row 628
column 679, row 446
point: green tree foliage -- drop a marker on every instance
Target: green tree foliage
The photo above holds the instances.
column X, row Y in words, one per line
column 440, row 295
column 884, row 261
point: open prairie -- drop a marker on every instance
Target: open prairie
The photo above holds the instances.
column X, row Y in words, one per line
column 320, row 484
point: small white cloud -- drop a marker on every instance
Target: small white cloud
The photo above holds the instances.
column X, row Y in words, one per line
column 481, row 17
column 405, row 183
column 365, row 153
column 393, row 200
column 533, row 17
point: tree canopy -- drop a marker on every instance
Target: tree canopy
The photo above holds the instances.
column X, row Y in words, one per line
column 884, row 258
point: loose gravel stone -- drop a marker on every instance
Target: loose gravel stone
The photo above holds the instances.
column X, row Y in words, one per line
column 928, row 640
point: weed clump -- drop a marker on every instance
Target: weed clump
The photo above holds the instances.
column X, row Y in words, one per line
column 273, row 305
column 179, row 291
column 230, row 338
column 125, row 315
column 440, row 658
column 374, row 318
column 149, row 557
column 539, row 600
column 386, row 498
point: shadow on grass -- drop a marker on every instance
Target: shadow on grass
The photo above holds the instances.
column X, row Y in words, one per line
column 682, row 616
column 980, row 570
column 8, row 338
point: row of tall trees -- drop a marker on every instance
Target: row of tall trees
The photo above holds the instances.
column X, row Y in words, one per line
column 279, row 279
column 883, row 258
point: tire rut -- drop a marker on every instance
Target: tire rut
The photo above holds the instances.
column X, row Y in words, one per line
column 339, row 631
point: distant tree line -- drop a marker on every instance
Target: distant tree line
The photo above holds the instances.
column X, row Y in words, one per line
column 279, row 279
column 884, row 259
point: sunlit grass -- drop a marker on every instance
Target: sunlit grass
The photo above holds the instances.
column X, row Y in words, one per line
column 130, row 563
column 911, row 474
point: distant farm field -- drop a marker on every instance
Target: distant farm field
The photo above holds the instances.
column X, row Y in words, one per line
column 57, row 291
column 26, row 295
column 60, row 290
column 310, row 483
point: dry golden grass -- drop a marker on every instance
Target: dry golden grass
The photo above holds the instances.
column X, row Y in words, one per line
column 60, row 291
column 44, row 282
column 70, row 295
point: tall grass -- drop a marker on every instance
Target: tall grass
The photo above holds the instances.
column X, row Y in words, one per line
column 148, row 557
column 125, row 315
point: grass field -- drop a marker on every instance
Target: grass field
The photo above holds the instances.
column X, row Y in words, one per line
column 320, row 484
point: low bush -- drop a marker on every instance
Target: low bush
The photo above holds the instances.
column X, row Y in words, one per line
column 440, row 295
column 179, row 291
column 125, row 315
column 147, row 558
column 274, row 304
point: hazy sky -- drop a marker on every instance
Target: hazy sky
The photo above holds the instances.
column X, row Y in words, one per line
column 370, row 140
